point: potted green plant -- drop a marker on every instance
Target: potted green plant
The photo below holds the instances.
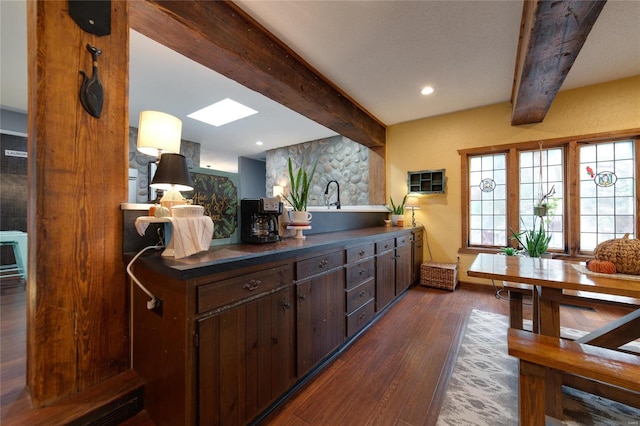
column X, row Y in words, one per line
column 509, row 251
column 546, row 203
column 534, row 241
column 397, row 212
column 300, row 183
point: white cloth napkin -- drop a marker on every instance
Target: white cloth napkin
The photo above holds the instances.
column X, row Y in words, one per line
column 191, row 235
column 141, row 226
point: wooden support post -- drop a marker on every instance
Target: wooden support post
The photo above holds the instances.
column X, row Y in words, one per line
column 77, row 313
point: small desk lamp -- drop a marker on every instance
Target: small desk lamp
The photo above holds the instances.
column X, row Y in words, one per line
column 413, row 204
column 172, row 176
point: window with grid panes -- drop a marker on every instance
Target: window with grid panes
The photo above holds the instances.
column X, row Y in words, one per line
column 595, row 198
column 607, row 192
column 487, row 200
column 541, row 173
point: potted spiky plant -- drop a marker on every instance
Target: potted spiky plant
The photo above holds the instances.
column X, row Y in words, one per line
column 397, row 212
column 300, row 182
column 535, row 241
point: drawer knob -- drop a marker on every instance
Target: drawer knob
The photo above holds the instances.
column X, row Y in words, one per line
column 323, row 263
column 303, row 297
column 362, row 315
column 386, row 246
column 286, row 305
column 362, row 271
column 252, row 285
column 361, row 252
column 362, row 293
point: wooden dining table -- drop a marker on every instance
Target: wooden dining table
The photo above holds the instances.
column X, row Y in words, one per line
column 551, row 278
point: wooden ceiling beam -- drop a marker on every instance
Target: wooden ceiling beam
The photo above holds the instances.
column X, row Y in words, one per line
column 220, row 36
column 551, row 36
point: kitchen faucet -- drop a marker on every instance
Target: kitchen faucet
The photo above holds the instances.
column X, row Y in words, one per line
column 326, row 195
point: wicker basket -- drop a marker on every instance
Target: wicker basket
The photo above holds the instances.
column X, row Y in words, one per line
column 439, row 275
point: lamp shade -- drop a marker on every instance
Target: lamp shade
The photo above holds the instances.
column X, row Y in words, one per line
column 172, row 173
column 412, row 202
column 277, row 190
column 158, row 132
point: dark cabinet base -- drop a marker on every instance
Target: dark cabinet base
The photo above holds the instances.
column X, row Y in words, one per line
column 229, row 345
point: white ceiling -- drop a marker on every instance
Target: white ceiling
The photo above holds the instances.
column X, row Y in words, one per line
column 381, row 53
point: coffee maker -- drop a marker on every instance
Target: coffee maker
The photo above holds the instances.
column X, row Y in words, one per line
column 259, row 220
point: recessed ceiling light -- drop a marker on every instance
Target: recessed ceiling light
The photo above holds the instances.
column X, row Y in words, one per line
column 259, row 143
column 427, row 90
column 223, row 112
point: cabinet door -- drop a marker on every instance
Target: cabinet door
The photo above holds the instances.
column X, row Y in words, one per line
column 385, row 279
column 321, row 322
column 246, row 359
column 404, row 267
column 418, row 249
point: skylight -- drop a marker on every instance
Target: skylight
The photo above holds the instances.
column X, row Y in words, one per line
column 223, row 112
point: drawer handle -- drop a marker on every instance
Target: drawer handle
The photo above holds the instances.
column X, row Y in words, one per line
column 362, row 315
column 386, row 246
column 303, row 297
column 361, row 252
column 362, row 293
column 362, row 271
column 252, row 285
column 323, row 263
column 286, row 305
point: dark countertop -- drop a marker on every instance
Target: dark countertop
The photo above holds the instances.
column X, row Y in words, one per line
column 231, row 256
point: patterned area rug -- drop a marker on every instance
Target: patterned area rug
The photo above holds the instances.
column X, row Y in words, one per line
column 483, row 389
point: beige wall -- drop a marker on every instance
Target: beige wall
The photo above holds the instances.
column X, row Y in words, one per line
column 432, row 143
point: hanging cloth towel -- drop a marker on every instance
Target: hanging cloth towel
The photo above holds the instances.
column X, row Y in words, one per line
column 191, row 235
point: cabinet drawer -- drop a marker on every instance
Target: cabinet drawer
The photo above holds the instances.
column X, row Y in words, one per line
column 359, row 318
column 316, row 265
column 356, row 254
column 384, row 245
column 403, row 241
column 232, row 290
column 359, row 273
column 356, row 297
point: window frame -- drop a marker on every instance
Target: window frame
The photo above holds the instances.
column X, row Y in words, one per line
column 571, row 219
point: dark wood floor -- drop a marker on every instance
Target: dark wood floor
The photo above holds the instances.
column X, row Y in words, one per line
column 13, row 347
column 395, row 374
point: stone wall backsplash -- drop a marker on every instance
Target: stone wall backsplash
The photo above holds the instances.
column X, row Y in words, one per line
column 339, row 159
column 140, row 161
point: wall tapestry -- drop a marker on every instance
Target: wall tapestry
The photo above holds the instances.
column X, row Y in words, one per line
column 218, row 194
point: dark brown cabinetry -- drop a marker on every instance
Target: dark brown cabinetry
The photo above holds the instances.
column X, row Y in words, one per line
column 220, row 349
column 417, row 254
column 320, row 308
column 360, row 288
column 246, row 359
column 385, row 273
column 394, row 265
column 404, row 263
column 231, row 338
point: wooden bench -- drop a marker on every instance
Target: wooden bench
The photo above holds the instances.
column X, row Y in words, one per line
column 538, row 354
